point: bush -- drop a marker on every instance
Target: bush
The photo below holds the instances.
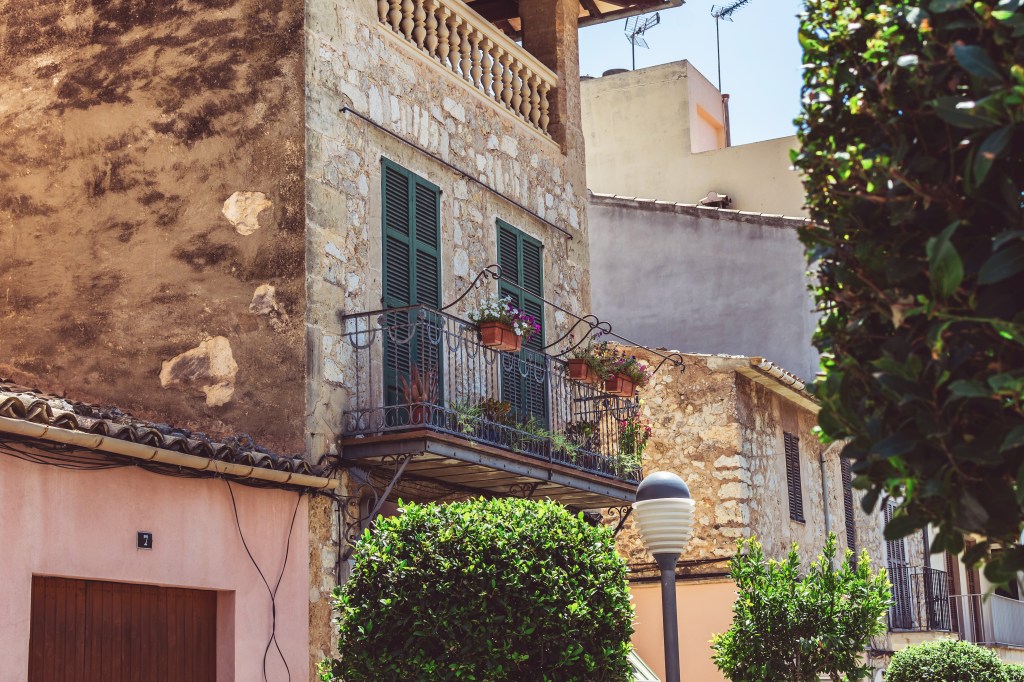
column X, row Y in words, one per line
column 945, row 661
column 912, row 148
column 1014, row 672
column 798, row 629
column 492, row 590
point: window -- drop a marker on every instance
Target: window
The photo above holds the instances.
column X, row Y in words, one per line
column 521, row 258
column 796, row 496
column 900, row 614
column 851, row 527
column 411, row 216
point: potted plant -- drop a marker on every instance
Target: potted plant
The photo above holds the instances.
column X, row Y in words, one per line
column 503, row 326
column 634, row 432
column 626, row 375
column 419, row 393
column 589, row 364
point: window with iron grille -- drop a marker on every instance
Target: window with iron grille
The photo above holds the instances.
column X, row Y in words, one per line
column 900, row 613
column 796, row 496
column 851, row 527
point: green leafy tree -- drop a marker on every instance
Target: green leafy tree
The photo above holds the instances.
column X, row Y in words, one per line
column 492, row 590
column 788, row 627
column 946, row 661
column 912, row 149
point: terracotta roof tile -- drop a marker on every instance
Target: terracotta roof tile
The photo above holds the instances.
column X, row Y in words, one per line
column 18, row 402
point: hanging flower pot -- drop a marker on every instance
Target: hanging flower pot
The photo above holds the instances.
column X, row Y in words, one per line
column 580, row 370
column 620, row 385
column 499, row 336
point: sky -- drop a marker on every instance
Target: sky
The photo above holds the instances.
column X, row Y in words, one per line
column 760, row 58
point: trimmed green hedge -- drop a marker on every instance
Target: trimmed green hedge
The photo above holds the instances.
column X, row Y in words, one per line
column 1014, row 672
column 492, row 590
column 945, row 661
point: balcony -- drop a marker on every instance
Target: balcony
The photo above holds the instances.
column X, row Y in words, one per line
column 452, row 35
column 920, row 600
column 473, row 420
column 990, row 620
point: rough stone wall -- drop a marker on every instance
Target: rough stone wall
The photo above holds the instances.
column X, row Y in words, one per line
column 697, row 435
column 151, row 208
column 722, row 433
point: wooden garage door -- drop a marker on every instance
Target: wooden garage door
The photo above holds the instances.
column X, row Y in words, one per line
column 94, row 631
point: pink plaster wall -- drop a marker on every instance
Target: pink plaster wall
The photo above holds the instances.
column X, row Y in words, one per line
column 82, row 524
column 703, row 608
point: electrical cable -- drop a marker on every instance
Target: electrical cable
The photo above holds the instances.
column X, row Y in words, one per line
column 271, row 591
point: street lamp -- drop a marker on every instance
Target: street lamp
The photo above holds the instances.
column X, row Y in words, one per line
column 663, row 513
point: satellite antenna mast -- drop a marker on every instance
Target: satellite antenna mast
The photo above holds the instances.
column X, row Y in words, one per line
column 636, row 27
column 724, row 12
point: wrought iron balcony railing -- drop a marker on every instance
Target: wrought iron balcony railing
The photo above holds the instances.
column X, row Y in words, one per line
column 989, row 619
column 416, row 368
column 920, row 599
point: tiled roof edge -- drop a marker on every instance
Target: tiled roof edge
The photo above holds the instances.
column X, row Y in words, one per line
column 696, row 210
column 28, row 405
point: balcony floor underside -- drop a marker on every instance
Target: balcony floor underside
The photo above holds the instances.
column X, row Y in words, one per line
column 445, row 467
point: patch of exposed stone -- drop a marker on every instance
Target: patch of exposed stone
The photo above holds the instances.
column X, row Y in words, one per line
column 210, row 367
column 242, row 209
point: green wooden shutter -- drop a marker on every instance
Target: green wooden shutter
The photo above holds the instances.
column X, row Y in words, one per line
column 412, row 268
column 521, row 258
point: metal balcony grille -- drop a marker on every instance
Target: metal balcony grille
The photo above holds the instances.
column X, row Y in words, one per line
column 418, row 368
column 920, row 599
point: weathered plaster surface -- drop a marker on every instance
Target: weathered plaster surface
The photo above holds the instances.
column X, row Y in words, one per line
column 127, row 126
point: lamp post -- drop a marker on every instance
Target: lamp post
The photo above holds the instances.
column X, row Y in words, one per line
column 663, row 513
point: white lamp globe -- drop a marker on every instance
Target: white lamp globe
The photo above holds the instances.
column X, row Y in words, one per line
column 663, row 513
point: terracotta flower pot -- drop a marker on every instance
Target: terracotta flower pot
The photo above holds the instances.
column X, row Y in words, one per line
column 620, row 385
column 581, row 371
column 499, row 336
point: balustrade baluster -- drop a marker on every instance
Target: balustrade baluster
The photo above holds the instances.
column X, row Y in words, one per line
column 407, row 20
column 475, row 70
column 506, row 79
column 454, row 41
column 495, row 73
column 419, row 31
column 517, row 88
column 431, row 39
column 465, row 64
column 524, row 107
column 545, row 104
column 443, row 46
column 382, row 10
column 395, row 16
column 486, row 62
column 534, row 99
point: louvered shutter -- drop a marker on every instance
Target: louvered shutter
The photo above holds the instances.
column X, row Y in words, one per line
column 412, row 272
column 851, row 527
column 524, row 382
column 796, row 499
column 900, row 616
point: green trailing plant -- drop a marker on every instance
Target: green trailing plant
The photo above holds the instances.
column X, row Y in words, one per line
column 946, row 661
column 634, row 434
column 584, row 434
column 799, row 629
column 912, row 150
column 496, row 590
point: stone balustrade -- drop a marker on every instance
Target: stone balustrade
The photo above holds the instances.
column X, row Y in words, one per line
column 450, row 33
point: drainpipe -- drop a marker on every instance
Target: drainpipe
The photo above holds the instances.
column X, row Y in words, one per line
column 824, row 493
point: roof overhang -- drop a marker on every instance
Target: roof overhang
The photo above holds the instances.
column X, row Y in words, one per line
column 505, row 13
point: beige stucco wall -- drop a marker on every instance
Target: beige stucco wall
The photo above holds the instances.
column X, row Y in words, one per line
column 645, row 138
column 703, row 609
column 126, row 128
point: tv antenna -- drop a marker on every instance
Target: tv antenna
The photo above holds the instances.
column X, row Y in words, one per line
column 636, row 27
column 724, row 12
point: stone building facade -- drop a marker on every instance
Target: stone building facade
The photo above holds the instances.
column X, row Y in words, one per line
column 722, row 423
